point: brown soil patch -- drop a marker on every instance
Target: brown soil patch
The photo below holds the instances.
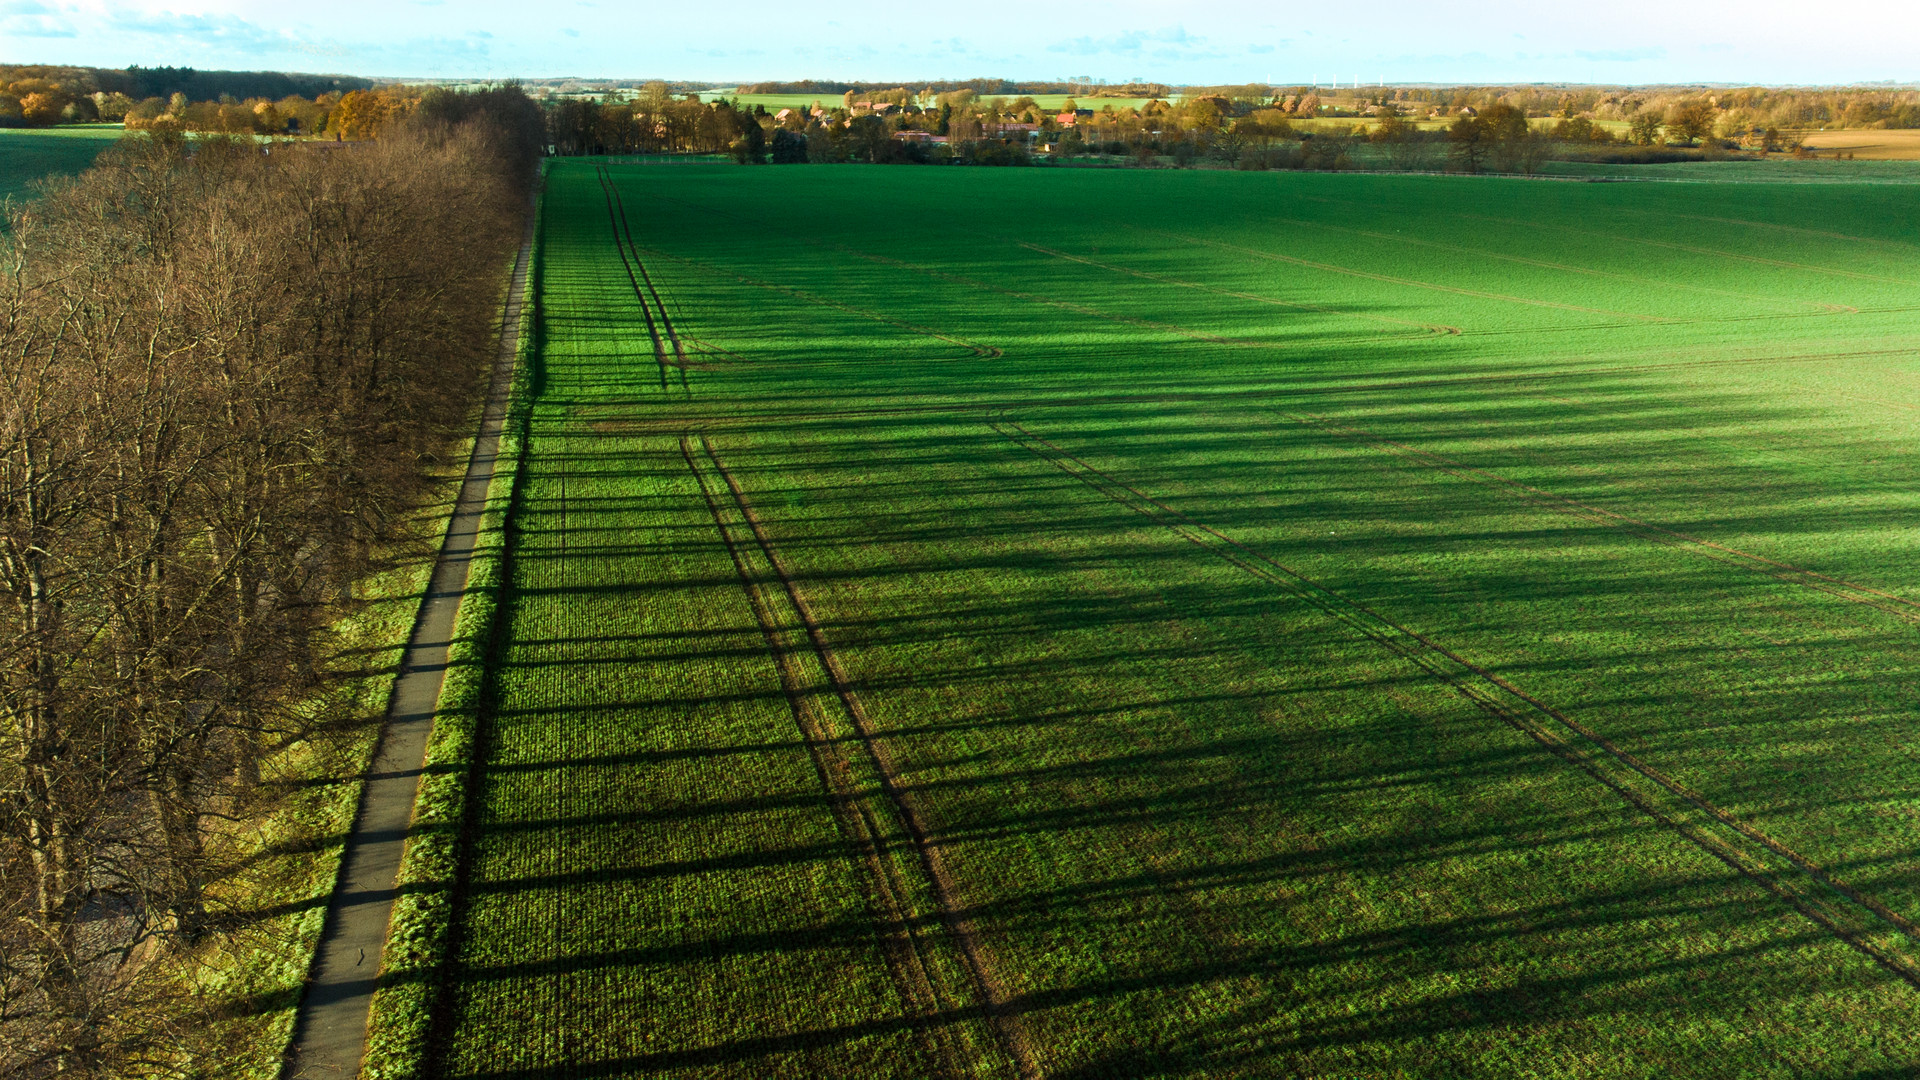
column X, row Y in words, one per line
column 1895, row 145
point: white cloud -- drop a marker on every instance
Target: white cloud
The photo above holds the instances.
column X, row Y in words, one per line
column 1622, row 56
column 1168, row 43
column 1227, row 42
column 227, row 32
column 28, row 19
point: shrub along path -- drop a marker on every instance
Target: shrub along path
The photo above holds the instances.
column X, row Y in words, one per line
column 330, row 1032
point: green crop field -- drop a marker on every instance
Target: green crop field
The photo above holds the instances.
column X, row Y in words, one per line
column 1071, row 623
column 30, row 154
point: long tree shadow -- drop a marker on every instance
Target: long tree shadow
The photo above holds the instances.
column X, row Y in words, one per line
column 1195, row 824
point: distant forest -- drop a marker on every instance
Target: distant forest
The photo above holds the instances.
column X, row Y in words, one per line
column 35, row 95
column 139, row 82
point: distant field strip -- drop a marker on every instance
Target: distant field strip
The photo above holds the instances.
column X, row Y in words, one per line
column 1611, row 237
column 1880, row 933
column 982, row 351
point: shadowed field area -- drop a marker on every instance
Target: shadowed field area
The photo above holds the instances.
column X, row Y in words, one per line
column 30, row 154
column 1012, row 623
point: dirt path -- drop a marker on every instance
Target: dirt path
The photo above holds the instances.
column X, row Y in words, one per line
column 330, row 1029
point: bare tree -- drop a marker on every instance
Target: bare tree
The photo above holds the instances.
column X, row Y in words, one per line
column 219, row 374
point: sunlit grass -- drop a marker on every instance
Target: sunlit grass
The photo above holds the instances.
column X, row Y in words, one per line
column 1175, row 531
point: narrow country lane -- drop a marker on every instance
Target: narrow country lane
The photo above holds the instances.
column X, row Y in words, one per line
column 330, row 1030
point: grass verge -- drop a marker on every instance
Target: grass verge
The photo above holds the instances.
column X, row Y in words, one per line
column 247, row 985
column 419, row 940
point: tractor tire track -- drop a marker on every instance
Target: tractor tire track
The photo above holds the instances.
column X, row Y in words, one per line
column 1836, row 906
column 666, row 321
column 1078, row 309
column 1909, row 247
column 1545, row 264
column 889, row 900
column 940, row 882
column 1091, row 312
column 1680, row 247
column 1434, row 329
column 659, row 353
column 983, row 352
column 1411, row 282
column 980, row 352
column 1695, row 250
column 1853, row 592
column 962, row 409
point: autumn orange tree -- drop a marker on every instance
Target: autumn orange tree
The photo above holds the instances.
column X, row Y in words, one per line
column 1690, row 121
column 361, row 114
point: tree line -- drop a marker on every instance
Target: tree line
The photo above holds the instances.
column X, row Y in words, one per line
column 1241, row 127
column 984, row 87
column 1290, row 130
column 223, row 371
column 355, row 114
column 1730, row 108
column 351, row 114
column 651, row 121
column 37, row 95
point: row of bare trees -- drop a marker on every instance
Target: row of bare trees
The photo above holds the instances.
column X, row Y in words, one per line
column 652, row 122
column 220, row 373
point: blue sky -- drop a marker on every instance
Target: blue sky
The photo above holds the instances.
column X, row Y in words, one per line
column 1616, row 41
